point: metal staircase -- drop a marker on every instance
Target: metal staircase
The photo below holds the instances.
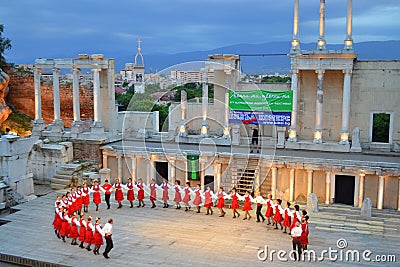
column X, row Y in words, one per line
column 241, row 174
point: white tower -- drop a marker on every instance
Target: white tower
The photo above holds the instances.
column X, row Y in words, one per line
column 138, row 70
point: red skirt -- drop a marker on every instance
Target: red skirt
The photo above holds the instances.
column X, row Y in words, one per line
column 269, row 212
column 278, row 217
column 74, row 232
column 221, row 203
column 65, row 229
column 286, row 221
column 119, row 196
column 247, row 206
column 293, row 223
column 131, row 195
column 82, row 232
column 78, row 203
column 235, row 204
column 97, row 239
column 165, row 196
column 86, row 200
column 96, row 198
column 178, row 197
column 70, row 211
column 186, row 198
column 57, row 222
column 197, row 201
column 89, row 237
column 140, row 195
column 304, row 238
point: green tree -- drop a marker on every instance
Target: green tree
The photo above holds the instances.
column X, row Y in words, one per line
column 141, row 105
column 163, row 115
column 5, row 44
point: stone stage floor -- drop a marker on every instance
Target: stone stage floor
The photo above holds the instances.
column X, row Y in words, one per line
column 169, row 237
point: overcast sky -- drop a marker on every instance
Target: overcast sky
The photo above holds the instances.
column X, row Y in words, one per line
column 64, row 28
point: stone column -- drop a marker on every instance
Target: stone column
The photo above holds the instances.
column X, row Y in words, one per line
column 202, row 174
column 38, row 124
column 75, row 97
column 356, row 190
column 56, row 95
column 204, row 105
column 296, row 41
column 321, row 40
column 119, row 169
column 133, row 158
column 348, row 42
column 344, row 136
column 217, row 174
column 309, row 182
column 105, row 161
column 381, row 187
column 327, row 186
column 274, row 181
column 291, row 184
column 293, row 128
column 226, row 121
column 172, row 171
column 183, row 127
column 361, row 188
column 97, row 99
column 318, row 107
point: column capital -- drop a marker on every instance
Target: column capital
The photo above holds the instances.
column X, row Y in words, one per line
column 38, row 70
column 362, row 174
column 320, row 71
column 76, row 69
column 294, row 71
column 55, row 69
column 96, row 70
column 347, row 71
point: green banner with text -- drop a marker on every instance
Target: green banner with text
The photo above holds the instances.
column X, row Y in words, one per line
column 260, row 100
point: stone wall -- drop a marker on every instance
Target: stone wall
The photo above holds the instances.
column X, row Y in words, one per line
column 88, row 150
column 21, row 96
column 45, row 160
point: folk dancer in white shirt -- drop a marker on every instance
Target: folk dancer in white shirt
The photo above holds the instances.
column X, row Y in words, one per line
column 107, row 230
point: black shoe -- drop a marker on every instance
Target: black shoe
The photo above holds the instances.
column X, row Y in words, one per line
column 251, row 151
column 257, row 221
column 234, row 217
column 167, row 206
column 222, row 215
column 245, row 218
column 258, row 151
column 143, row 205
column 88, row 249
column 97, row 208
column 81, row 246
column 105, row 255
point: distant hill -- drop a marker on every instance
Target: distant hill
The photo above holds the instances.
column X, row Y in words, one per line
column 375, row 50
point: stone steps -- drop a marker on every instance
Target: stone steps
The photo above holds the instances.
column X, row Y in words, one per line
column 62, row 178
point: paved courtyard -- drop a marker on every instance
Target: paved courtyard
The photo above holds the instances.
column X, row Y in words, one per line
column 169, row 237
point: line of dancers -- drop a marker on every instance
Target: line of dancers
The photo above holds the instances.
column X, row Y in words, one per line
column 69, row 207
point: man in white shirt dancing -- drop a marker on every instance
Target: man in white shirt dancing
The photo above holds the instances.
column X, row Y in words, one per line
column 107, row 229
column 296, row 242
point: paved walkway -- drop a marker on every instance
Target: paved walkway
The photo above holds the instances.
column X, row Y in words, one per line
column 169, row 237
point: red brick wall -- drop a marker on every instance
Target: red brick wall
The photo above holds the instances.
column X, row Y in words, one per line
column 21, row 96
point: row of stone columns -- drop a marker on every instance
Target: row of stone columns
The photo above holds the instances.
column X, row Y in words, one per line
column 321, row 43
column 57, row 124
column 345, row 131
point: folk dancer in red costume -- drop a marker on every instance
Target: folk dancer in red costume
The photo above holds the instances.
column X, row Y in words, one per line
column 153, row 192
column 119, row 196
column 79, row 200
column 57, row 206
column 287, row 218
column 70, row 204
column 295, row 215
column 178, row 197
column 304, row 233
column 187, row 190
column 96, row 188
column 278, row 214
column 74, row 234
column 85, row 197
column 235, row 202
column 197, row 199
column 208, row 202
column 97, row 237
column 89, row 233
column 221, row 195
column 270, row 210
column 131, row 194
column 82, row 230
column 73, row 200
column 165, row 196
column 65, row 227
column 107, row 192
column 58, row 220
column 140, row 196
column 247, row 205
column 259, row 200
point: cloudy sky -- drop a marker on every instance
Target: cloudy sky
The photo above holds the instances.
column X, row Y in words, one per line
column 64, row 28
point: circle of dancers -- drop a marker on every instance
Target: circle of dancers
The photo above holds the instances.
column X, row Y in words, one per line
column 70, row 208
